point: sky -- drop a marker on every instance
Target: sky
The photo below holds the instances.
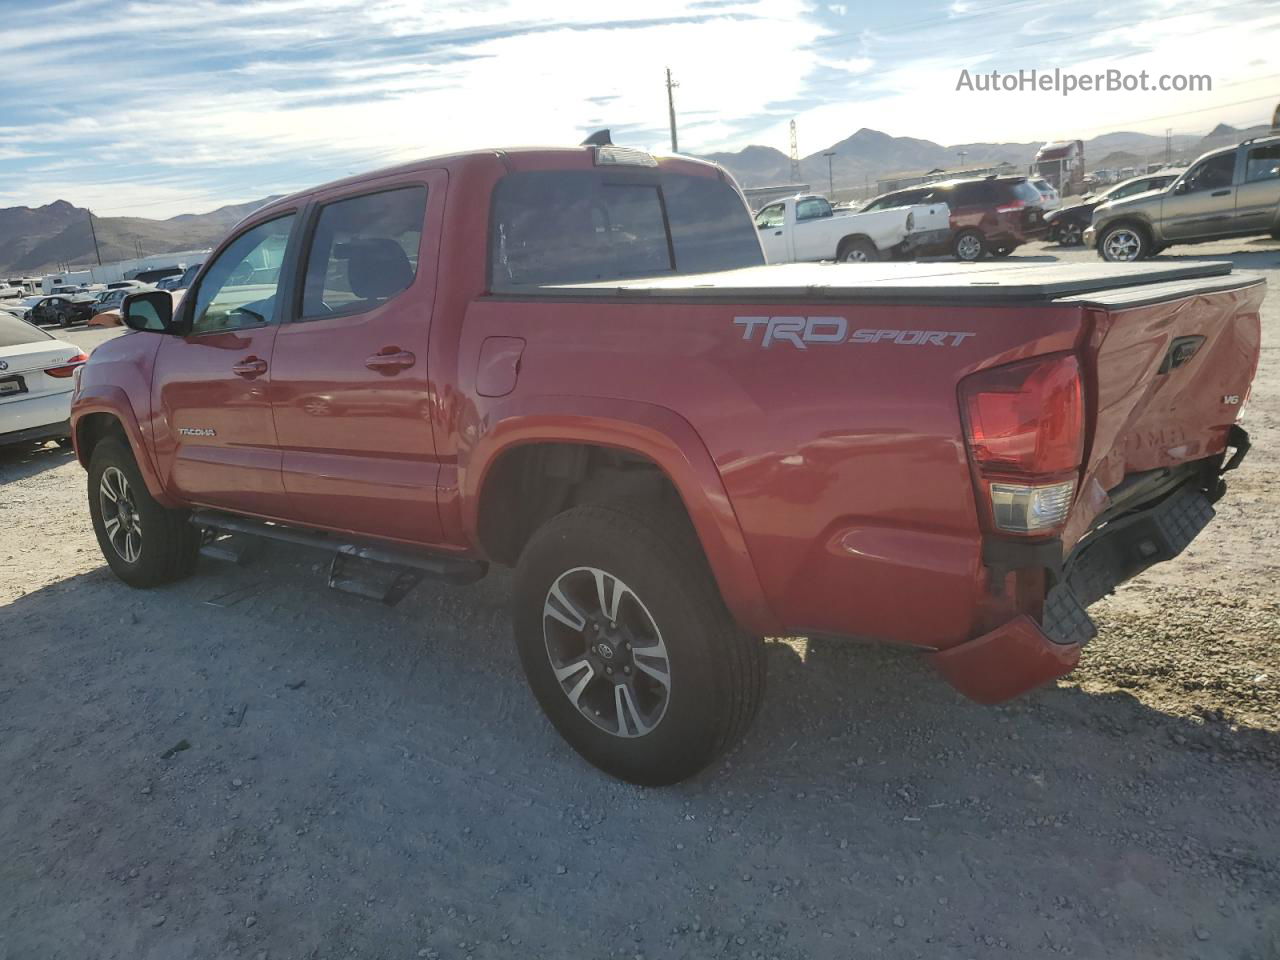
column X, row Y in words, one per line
column 135, row 107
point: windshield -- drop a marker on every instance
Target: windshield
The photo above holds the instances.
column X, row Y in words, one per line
column 579, row 226
column 14, row 332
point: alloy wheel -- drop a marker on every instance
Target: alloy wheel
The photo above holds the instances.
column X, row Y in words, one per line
column 969, row 247
column 120, row 516
column 1122, row 245
column 606, row 652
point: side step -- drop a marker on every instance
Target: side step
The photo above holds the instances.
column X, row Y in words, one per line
column 365, row 568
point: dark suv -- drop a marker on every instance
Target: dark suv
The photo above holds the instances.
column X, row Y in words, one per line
column 993, row 215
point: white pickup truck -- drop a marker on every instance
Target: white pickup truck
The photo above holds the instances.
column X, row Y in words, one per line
column 807, row 228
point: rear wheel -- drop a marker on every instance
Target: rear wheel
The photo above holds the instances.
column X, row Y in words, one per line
column 1070, row 235
column 144, row 543
column 857, row 250
column 628, row 646
column 969, row 246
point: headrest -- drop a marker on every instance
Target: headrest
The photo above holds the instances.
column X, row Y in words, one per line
column 377, row 268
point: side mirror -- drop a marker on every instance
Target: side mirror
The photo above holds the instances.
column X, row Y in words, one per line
column 151, row 310
column 1182, row 186
column 762, row 226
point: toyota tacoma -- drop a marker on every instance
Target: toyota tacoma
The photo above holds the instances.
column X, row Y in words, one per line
column 575, row 362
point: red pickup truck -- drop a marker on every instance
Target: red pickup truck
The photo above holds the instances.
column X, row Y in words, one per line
column 575, row 362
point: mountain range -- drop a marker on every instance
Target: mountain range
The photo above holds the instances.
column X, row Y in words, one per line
column 33, row 240
column 869, row 155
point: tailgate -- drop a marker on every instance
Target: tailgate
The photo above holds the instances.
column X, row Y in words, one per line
column 1169, row 375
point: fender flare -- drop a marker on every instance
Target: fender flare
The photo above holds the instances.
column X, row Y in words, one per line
column 652, row 431
column 112, row 400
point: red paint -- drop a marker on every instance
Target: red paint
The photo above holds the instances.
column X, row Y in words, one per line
column 830, row 487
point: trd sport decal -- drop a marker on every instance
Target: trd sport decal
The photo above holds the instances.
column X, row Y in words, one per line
column 801, row 331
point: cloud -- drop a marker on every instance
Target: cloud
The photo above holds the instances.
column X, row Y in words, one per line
column 222, row 100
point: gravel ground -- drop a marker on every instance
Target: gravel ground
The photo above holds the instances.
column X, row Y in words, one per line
column 247, row 764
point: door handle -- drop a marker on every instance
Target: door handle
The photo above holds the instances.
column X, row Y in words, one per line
column 1220, row 193
column 777, row 233
column 391, row 360
column 249, row 368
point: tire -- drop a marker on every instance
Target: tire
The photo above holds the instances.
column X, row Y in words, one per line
column 1123, row 243
column 858, row 250
column 149, row 546
column 64, row 319
column 1070, row 235
column 969, row 246
column 714, row 673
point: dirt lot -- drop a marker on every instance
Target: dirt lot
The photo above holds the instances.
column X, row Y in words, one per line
column 247, row 764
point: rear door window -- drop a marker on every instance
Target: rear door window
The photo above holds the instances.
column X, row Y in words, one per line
column 554, row 227
column 1263, row 163
column 364, row 252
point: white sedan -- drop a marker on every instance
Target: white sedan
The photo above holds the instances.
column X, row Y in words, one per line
column 36, row 373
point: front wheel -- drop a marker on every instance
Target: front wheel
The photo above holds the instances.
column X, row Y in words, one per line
column 1123, row 244
column 143, row 543
column 627, row 644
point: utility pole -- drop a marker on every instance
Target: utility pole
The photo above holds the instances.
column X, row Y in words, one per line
column 671, row 110
column 1168, row 145
column 831, row 182
column 795, row 155
column 94, row 233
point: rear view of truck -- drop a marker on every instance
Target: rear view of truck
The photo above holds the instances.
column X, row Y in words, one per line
column 954, row 458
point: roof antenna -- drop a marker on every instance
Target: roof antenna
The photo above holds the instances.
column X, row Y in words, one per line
column 600, row 138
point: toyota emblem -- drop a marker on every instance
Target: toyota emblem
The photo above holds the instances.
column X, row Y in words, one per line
column 4, row 365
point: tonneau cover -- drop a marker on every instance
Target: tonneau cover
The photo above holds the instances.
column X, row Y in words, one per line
column 949, row 282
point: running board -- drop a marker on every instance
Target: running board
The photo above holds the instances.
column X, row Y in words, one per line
column 376, row 571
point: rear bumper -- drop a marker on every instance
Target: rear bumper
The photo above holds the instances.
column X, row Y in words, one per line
column 926, row 240
column 51, row 431
column 1022, row 654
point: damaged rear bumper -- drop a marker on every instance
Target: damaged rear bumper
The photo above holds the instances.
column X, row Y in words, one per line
column 1022, row 654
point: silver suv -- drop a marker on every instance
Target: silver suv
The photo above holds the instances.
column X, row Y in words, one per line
column 1232, row 192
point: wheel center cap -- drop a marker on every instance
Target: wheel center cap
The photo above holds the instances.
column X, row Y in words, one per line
column 605, row 651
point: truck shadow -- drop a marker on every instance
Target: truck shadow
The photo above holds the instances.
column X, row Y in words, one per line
column 22, row 460
column 869, row 795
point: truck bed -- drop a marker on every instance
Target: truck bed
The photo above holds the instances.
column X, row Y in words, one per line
column 945, row 282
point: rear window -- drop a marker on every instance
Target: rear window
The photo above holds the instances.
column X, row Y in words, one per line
column 14, row 332
column 1024, row 191
column 580, row 226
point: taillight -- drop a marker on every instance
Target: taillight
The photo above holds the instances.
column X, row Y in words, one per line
column 1024, row 425
column 68, row 368
column 1011, row 207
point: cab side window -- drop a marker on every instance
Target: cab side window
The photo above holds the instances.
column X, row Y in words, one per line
column 812, row 209
column 1263, row 163
column 1214, row 174
column 771, row 216
column 239, row 288
column 364, row 252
